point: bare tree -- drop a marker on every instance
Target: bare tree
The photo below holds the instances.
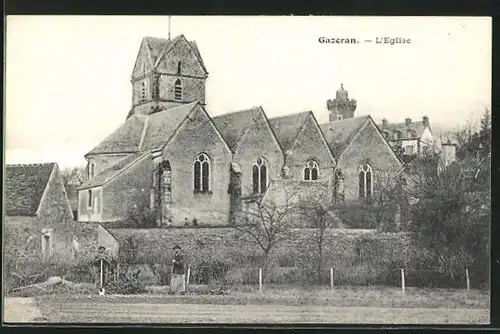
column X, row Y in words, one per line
column 318, row 209
column 267, row 222
column 386, row 199
column 74, row 176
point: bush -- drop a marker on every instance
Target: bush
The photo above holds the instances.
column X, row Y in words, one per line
column 211, row 271
column 126, row 285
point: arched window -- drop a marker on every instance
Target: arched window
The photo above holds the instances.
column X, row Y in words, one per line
column 365, row 181
column 339, row 117
column 178, row 67
column 259, row 176
column 311, row 171
column 178, row 90
column 202, row 173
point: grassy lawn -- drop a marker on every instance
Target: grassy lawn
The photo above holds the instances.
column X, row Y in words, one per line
column 298, row 296
column 276, row 304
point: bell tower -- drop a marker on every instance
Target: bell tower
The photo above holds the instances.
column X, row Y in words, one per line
column 167, row 73
column 341, row 107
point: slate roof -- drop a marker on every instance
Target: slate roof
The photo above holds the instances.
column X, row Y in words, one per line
column 339, row 134
column 157, row 129
column 160, row 47
column 287, row 128
column 24, row 187
column 233, row 126
column 417, row 129
column 162, row 125
column 109, row 173
column 125, row 139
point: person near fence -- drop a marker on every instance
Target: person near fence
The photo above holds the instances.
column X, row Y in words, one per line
column 178, row 279
column 101, row 255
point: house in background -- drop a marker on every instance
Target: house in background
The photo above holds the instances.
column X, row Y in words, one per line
column 39, row 218
column 410, row 139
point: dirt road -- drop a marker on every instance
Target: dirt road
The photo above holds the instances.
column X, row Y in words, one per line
column 20, row 310
column 91, row 311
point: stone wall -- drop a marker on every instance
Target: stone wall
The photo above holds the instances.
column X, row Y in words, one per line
column 128, row 192
column 310, row 145
column 198, row 135
column 361, row 255
column 370, row 147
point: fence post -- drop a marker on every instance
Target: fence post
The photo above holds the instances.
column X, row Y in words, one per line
column 260, row 279
column 188, row 275
column 403, row 281
column 117, row 276
column 468, row 280
column 331, row 278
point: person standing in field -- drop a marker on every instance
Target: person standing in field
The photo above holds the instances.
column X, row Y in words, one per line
column 178, row 280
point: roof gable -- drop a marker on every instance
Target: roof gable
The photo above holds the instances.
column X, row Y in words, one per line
column 144, row 62
column 287, row 128
column 233, row 126
column 24, row 187
column 339, row 134
column 186, row 52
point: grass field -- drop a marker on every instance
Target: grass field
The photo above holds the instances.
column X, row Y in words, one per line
column 274, row 305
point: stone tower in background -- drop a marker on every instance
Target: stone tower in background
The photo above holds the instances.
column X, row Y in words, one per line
column 341, row 107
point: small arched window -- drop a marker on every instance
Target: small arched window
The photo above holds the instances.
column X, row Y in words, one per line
column 201, row 171
column 178, row 90
column 311, row 171
column 365, row 181
column 339, row 117
column 259, row 176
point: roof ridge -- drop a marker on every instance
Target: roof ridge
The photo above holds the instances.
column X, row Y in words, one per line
column 30, row 164
column 238, row 111
column 289, row 115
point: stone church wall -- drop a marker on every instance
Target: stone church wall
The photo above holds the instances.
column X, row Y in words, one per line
column 368, row 146
column 198, row 135
column 310, row 145
column 128, row 192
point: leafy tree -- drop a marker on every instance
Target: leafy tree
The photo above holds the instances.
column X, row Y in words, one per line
column 451, row 220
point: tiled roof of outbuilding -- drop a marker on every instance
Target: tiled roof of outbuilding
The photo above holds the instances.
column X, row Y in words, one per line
column 24, row 187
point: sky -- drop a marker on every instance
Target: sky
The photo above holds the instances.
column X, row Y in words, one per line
column 68, row 77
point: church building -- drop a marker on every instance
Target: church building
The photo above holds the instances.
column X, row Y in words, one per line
column 170, row 156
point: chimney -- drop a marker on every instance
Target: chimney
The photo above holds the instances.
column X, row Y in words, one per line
column 448, row 153
column 425, row 120
column 384, row 123
column 408, row 121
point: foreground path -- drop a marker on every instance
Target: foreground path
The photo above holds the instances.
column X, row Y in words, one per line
column 20, row 310
column 91, row 311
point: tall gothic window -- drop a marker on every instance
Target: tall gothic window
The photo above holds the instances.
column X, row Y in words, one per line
column 259, row 176
column 311, row 171
column 178, row 90
column 365, row 181
column 202, row 173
